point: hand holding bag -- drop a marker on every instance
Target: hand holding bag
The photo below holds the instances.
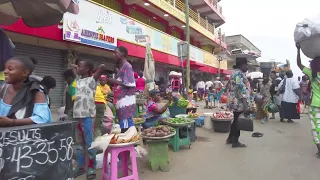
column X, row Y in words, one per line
column 245, row 123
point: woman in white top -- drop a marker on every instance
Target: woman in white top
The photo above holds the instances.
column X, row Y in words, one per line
column 290, row 89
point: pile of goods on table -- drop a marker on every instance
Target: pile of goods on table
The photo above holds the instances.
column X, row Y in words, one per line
column 158, row 131
column 138, row 120
column 193, row 115
column 181, row 102
column 223, row 115
column 131, row 136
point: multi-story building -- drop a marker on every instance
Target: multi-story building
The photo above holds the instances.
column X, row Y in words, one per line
column 240, row 46
column 102, row 25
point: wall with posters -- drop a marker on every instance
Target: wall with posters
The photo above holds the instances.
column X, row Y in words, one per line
column 101, row 27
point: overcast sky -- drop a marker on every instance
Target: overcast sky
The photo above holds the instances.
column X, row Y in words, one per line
column 269, row 25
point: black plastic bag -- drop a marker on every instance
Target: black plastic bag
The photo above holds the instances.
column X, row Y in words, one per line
column 245, row 123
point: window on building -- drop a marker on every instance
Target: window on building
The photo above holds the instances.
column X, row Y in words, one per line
column 113, row 4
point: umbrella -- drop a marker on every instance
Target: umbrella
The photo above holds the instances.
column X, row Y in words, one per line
column 149, row 68
column 36, row 13
column 254, row 75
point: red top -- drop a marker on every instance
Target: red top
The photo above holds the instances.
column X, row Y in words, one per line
column 140, row 84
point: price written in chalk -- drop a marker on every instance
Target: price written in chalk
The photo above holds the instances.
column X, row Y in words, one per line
column 29, row 149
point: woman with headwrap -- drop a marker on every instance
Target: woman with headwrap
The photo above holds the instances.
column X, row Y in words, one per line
column 314, row 76
column 154, row 112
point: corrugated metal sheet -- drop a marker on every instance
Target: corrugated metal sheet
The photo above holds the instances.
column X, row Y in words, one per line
column 50, row 63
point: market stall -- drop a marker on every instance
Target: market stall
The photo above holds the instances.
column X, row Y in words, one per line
column 157, row 139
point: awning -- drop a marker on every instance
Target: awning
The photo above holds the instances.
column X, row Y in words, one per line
column 194, row 64
column 226, row 72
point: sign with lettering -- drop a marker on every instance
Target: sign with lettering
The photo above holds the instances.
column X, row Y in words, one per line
column 37, row 152
column 102, row 27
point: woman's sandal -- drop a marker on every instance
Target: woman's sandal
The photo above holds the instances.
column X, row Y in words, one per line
column 257, row 134
column 238, row 145
column 91, row 174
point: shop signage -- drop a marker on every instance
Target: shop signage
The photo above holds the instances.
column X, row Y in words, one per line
column 101, row 27
column 167, row 7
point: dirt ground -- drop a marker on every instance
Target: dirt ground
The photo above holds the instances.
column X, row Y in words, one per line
column 285, row 152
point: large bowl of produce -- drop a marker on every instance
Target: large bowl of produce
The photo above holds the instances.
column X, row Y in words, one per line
column 193, row 115
column 223, row 115
column 158, row 132
column 181, row 102
column 178, row 121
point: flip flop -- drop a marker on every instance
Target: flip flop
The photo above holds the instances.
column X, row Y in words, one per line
column 238, row 145
column 78, row 172
column 91, row 174
column 257, row 134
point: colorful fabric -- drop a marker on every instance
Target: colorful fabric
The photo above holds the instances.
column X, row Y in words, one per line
column 2, row 76
column 149, row 110
column 141, row 84
column 315, row 84
column 315, row 123
column 151, row 118
column 99, row 96
column 126, row 123
column 84, row 105
column 239, row 88
column 126, row 98
column 72, row 89
column 83, row 140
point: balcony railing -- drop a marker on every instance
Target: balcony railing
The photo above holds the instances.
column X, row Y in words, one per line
column 194, row 15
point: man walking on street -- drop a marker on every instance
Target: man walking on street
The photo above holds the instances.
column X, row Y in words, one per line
column 239, row 88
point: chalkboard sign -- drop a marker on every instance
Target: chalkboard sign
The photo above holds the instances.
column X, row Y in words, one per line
column 37, row 152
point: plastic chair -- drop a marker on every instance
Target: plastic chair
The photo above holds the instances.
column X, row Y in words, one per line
column 110, row 171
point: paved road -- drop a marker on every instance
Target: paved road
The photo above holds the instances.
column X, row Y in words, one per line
column 285, row 152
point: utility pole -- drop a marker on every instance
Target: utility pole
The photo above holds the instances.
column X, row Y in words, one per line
column 188, row 45
column 219, row 55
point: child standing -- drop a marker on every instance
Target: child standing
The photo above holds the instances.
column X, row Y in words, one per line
column 83, row 112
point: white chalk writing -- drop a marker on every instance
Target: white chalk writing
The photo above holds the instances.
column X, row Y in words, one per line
column 29, row 149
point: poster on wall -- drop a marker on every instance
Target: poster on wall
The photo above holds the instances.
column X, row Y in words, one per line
column 101, row 27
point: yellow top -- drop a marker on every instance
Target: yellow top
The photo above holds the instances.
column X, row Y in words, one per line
column 102, row 93
column 1, row 76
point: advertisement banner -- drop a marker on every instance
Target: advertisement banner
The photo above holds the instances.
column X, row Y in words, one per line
column 101, row 27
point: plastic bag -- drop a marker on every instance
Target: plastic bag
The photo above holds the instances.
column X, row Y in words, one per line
column 306, row 29
column 307, row 34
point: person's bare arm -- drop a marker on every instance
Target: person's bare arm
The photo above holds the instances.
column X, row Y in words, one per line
column 163, row 109
column 114, row 81
column 5, row 121
column 99, row 71
column 299, row 57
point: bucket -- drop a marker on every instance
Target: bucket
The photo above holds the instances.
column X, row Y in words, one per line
column 207, row 120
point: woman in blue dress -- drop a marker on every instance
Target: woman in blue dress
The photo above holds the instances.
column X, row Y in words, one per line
column 22, row 99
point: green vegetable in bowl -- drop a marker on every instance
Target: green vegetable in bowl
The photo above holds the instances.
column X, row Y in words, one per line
column 179, row 120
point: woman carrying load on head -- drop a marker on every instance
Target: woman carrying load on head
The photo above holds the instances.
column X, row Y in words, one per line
column 314, row 76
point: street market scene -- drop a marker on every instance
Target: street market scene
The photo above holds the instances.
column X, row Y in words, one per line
column 159, row 89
